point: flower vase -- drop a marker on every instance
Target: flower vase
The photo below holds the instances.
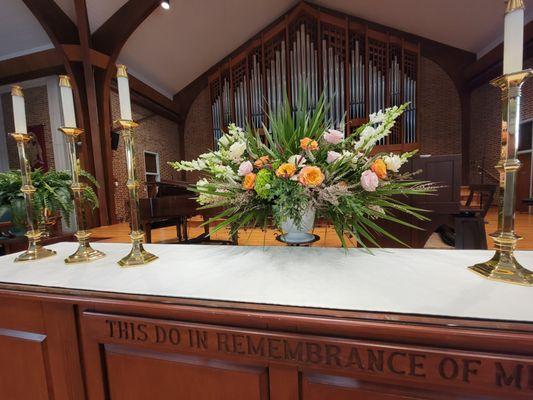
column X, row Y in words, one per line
column 294, row 233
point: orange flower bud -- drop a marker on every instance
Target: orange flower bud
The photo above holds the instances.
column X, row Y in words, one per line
column 249, row 181
column 379, row 168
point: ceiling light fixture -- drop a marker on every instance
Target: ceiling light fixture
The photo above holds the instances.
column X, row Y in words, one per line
column 165, row 4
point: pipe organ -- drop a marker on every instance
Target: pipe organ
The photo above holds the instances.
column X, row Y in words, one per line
column 359, row 70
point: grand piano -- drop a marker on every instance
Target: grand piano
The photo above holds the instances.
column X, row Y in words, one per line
column 173, row 204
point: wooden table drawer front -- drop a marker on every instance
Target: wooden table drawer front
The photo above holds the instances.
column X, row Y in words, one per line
column 128, row 345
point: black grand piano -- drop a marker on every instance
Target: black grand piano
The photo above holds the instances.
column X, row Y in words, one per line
column 172, row 204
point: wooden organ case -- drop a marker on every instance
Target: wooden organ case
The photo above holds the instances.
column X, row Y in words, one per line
column 359, row 70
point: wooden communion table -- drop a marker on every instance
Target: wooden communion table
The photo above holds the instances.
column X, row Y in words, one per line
column 246, row 323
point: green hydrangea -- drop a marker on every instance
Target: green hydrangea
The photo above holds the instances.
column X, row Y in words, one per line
column 263, row 183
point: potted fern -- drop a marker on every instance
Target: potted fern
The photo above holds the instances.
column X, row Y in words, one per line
column 52, row 198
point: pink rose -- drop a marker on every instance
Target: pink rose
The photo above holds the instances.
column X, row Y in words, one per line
column 245, row 168
column 333, row 136
column 333, row 156
column 369, row 181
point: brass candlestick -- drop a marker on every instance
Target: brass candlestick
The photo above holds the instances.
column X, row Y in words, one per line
column 85, row 252
column 138, row 255
column 503, row 266
column 35, row 250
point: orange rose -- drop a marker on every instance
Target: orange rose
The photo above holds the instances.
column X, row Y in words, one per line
column 379, row 168
column 311, row 176
column 286, row 170
column 249, row 181
column 261, row 162
column 308, row 144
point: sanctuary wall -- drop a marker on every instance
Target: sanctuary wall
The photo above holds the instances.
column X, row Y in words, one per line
column 155, row 134
column 37, row 113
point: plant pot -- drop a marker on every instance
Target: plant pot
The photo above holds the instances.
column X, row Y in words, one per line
column 294, row 233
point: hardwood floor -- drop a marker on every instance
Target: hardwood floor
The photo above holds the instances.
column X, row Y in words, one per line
column 120, row 233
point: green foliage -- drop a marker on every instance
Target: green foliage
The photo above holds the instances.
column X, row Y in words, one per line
column 52, row 192
column 263, row 183
column 338, row 168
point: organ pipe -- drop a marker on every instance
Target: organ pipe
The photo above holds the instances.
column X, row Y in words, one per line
column 348, row 77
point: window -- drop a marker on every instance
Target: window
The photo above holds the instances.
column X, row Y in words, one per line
column 526, row 132
column 151, row 165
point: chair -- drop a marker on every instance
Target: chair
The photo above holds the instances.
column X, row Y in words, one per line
column 470, row 223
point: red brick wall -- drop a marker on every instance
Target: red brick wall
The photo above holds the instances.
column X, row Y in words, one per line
column 36, row 101
column 155, row 134
column 198, row 133
column 439, row 111
column 485, row 123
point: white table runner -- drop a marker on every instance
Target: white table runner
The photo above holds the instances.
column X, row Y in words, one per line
column 427, row 282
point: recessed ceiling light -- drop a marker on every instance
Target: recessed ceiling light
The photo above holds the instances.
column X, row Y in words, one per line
column 165, row 4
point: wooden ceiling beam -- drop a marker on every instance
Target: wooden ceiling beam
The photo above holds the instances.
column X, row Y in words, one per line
column 113, row 34
column 58, row 26
column 30, row 66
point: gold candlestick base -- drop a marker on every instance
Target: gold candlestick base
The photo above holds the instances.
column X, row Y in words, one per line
column 84, row 253
column 503, row 266
column 35, row 250
column 138, row 255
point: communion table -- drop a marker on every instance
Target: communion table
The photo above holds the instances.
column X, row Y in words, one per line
column 280, row 323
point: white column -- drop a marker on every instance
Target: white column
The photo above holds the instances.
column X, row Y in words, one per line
column 4, row 161
column 59, row 144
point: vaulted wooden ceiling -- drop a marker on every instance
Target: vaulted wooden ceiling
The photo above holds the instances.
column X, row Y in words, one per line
column 171, row 48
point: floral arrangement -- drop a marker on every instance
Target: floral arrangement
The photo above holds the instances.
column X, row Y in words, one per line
column 299, row 163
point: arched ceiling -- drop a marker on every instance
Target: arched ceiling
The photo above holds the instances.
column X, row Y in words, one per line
column 171, row 48
column 20, row 32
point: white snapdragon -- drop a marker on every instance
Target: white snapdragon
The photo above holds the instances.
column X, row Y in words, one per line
column 393, row 162
column 377, row 118
column 224, row 141
column 236, row 150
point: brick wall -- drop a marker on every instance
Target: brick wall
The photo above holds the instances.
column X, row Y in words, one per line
column 36, row 101
column 198, row 133
column 439, row 111
column 155, row 134
column 485, row 123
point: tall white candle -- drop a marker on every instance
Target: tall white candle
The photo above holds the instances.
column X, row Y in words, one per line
column 19, row 110
column 124, row 93
column 513, row 38
column 67, row 102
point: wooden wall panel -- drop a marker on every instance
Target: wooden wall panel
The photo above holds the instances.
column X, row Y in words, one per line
column 23, row 366
column 39, row 351
column 139, row 375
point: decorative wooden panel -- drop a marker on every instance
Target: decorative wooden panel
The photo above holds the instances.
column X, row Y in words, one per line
column 303, row 60
column 140, row 374
column 333, row 48
column 39, row 353
column 23, row 366
column 360, row 71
